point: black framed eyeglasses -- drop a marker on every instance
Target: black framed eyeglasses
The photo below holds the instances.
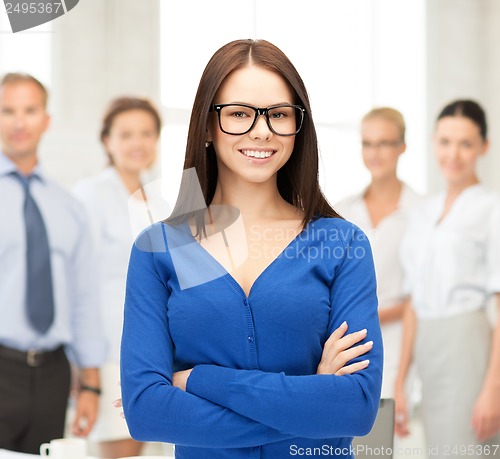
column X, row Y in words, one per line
column 383, row 144
column 238, row 119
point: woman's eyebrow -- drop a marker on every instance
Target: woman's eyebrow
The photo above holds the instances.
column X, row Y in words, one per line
column 253, row 105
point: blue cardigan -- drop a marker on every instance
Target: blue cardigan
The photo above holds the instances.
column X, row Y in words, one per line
column 253, row 391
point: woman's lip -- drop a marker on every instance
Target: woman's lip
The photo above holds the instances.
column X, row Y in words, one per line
column 453, row 167
column 272, row 151
column 253, row 159
column 258, row 149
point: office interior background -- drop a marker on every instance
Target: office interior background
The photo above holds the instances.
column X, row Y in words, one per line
column 414, row 55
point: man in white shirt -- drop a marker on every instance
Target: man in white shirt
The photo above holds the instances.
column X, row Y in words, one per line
column 44, row 312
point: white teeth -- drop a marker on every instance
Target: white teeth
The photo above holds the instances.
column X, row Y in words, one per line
column 257, row 154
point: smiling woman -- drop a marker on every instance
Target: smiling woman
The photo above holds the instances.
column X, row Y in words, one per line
column 114, row 199
column 382, row 209
column 235, row 339
column 451, row 255
column 262, row 152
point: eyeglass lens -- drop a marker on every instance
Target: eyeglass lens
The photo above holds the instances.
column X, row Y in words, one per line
column 238, row 119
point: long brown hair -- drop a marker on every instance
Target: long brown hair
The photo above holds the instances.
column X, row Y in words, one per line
column 297, row 180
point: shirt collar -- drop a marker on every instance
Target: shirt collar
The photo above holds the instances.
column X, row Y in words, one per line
column 7, row 166
column 405, row 196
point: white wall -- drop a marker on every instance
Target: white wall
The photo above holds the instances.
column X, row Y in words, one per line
column 351, row 56
column 101, row 49
column 463, row 61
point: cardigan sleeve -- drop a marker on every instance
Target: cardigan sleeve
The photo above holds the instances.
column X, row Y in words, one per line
column 154, row 409
column 313, row 406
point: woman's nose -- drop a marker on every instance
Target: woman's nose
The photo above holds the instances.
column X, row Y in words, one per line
column 261, row 129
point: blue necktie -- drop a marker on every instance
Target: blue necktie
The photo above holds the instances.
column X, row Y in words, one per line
column 39, row 294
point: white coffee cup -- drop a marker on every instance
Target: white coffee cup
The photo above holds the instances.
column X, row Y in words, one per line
column 65, row 448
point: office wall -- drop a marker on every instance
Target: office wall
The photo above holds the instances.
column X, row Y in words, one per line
column 102, row 49
column 95, row 44
column 463, row 60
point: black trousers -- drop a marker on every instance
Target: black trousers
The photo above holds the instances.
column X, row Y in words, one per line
column 33, row 399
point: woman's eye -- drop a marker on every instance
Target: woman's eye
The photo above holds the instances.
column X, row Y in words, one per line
column 278, row 115
column 242, row 114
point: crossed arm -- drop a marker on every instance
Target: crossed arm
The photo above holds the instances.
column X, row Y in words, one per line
column 339, row 349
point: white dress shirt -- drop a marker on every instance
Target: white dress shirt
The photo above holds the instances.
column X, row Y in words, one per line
column 453, row 266
column 76, row 322
column 385, row 240
column 117, row 218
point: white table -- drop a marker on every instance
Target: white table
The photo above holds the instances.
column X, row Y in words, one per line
column 4, row 454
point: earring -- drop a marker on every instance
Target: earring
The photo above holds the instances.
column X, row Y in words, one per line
column 207, row 144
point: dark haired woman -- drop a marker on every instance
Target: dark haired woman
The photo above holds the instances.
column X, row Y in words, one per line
column 234, row 342
column 451, row 255
column 114, row 200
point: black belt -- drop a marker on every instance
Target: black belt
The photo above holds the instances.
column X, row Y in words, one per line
column 32, row 358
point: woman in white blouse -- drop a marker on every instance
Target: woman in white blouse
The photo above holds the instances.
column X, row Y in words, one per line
column 381, row 211
column 451, row 255
column 118, row 204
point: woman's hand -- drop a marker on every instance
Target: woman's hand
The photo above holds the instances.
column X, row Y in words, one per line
column 339, row 350
column 179, row 378
column 486, row 414
column 118, row 403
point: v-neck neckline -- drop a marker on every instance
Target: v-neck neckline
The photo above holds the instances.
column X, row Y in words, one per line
column 457, row 203
column 229, row 277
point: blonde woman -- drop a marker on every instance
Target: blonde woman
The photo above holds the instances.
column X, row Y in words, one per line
column 381, row 210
